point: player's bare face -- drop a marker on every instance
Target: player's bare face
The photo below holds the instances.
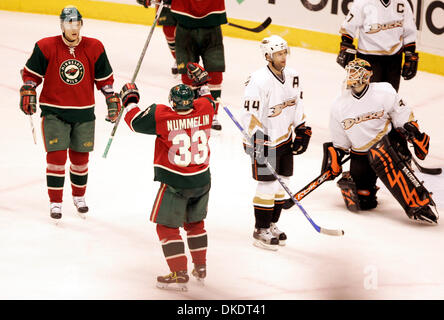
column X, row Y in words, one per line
column 72, row 30
column 279, row 59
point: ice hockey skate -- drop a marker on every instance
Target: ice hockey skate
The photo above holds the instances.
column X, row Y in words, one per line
column 81, row 206
column 424, row 214
column 200, row 272
column 263, row 238
column 215, row 125
column 173, row 281
column 55, row 210
column 280, row 235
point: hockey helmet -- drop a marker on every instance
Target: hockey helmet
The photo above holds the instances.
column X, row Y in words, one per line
column 70, row 14
column 272, row 44
column 359, row 72
column 181, row 97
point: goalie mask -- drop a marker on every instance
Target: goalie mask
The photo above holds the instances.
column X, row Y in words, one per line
column 273, row 44
column 359, row 72
column 181, row 97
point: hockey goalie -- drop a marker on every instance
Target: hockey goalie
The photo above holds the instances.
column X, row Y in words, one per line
column 372, row 123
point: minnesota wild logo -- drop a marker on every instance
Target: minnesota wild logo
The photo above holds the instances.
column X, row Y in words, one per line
column 72, row 71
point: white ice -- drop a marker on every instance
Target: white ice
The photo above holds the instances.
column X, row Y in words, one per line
column 115, row 252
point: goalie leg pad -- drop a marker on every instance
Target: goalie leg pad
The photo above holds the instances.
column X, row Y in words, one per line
column 400, row 180
column 349, row 192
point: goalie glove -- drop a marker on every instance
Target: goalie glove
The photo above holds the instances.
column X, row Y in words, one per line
column 420, row 140
column 129, row 94
column 347, row 51
column 28, row 98
column 410, row 65
column 258, row 148
column 332, row 160
column 114, row 107
column 301, row 140
column 197, row 74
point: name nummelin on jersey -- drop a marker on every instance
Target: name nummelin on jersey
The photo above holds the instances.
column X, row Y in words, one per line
column 195, row 122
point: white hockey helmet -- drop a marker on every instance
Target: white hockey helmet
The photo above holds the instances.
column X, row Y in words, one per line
column 272, row 44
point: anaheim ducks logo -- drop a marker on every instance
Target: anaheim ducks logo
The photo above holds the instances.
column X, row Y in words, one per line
column 277, row 109
column 350, row 122
column 72, row 71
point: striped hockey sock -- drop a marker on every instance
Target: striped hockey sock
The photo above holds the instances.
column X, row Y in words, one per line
column 173, row 247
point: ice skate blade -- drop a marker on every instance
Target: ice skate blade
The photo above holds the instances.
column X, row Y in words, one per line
column 200, row 281
column 82, row 215
column 282, row 243
column 172, row 286
column 260, row 244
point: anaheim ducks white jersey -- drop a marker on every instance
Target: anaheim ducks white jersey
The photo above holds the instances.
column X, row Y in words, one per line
column 384, row 26
column 357, row 122
column 273, row 105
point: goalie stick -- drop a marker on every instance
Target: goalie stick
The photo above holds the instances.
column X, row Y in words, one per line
column 425, row 170
column 139, row 63
column 259, row 28
column 330, row 232
column 311, row 186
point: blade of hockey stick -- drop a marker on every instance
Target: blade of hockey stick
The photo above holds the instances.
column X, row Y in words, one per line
column 433, row 171
column 259, row 28
column 329, row 232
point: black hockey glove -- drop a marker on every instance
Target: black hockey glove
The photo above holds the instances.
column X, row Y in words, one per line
column 129, row 94
column 347, row 51
column 114, row 106
column 145, row 3
column 332, row 160
column 197, row 74
column 301, row 140
column 410, row 65
column 420, row 140
column 28, row 98
column 258, row 148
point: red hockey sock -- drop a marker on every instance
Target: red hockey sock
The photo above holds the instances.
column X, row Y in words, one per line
column 173, row 247
column 170, row 35
column 197, row 240
column 55, row 174
column 78, row 172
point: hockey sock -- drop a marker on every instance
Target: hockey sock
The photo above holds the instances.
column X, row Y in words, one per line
column 173, row 247
column 263, row 216
column 197, row 241
column 55, row 174
column 170, row 32
column 215, row 85
column 277, row 210
column 78, row 172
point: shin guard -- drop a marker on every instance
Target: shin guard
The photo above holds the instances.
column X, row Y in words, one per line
column 399, row 179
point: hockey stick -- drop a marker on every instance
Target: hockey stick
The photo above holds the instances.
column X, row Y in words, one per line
column 312, row 185
column 259, row 28
column 329, row 232
column 31, row 121
column 139, row 63
column 433, row 171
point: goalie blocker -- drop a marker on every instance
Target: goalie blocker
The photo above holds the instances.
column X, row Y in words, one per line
column 400, row 180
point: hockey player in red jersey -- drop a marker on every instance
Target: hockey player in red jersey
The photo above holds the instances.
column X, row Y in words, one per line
column 199, row 35
column 69, row 66
column 168, row 23
column 371, row 121
column 181, row 165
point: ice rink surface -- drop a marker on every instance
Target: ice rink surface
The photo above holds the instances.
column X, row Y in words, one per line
column 115, row 253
